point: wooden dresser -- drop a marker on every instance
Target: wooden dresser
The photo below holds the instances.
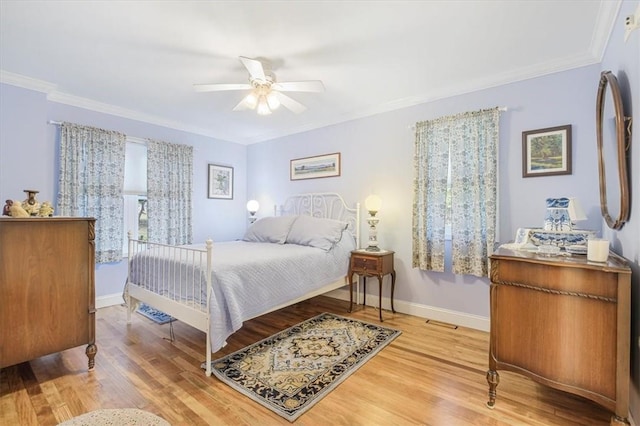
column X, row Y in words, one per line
column 47, row 294
column 563, row 322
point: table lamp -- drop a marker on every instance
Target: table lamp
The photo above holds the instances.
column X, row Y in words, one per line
column 373, row 204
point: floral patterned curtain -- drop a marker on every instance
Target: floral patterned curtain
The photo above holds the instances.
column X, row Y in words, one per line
column 468, row 143
column 90, row 183
column 169, row 192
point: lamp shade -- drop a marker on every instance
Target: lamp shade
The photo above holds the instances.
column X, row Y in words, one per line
column 373, row 203
column 576, row 212
column 253, row 206
column 251, row 100
column 263, row 107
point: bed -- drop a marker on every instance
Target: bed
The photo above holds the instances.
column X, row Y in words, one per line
column 300, row 253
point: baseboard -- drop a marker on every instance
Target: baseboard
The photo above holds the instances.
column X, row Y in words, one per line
column 109, row 300
column 423, row 311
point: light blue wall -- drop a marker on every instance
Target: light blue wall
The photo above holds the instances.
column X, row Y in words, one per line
column 377, row 156
column 28, row 156
column 623, row 59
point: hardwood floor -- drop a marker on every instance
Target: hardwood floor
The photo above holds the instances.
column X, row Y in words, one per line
column 431, row 375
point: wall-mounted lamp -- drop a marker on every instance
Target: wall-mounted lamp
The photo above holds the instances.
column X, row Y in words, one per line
column 373, row 204
column 252, row 208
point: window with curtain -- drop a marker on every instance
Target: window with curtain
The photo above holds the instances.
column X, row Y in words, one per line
column 467, row 144
column 169, row 192
column 135, row 192
column 91, row 175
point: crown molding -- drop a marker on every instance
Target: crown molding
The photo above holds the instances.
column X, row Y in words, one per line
column 605, row 21
column 24, row 82
column 53, row 95
column 104, row 108
column 527, row 73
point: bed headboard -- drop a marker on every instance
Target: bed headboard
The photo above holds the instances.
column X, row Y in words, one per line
column 326, row 205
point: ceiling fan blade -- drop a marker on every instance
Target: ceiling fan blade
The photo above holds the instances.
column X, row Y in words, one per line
column 299, row 86
column 245, row 104
column 255, row 68
column 290, row 103
column 242, row 106
column 220, row 87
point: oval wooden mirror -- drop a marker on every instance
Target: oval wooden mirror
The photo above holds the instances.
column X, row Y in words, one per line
column 612, row 152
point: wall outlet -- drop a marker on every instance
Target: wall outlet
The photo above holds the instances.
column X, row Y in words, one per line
column 631, row 22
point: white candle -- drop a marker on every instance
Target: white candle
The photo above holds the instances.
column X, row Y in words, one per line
column 597, row 250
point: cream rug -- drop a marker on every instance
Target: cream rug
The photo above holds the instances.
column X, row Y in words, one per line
column 116, row 417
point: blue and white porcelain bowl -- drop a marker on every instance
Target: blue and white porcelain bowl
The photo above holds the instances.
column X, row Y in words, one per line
column 541, row 237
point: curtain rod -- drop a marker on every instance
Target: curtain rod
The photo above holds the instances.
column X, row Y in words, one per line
column 131, row 139
column 501, row 109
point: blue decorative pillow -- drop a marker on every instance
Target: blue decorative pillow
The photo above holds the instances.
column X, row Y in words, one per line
column 316, row 232
column 269, row 230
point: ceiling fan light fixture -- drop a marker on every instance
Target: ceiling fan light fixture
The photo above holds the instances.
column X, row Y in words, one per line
column 273, row 101
column 251, row 100
column 265, row 92
column 263, row 106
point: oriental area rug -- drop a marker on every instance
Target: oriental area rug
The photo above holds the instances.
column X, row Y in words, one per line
column 292, row 370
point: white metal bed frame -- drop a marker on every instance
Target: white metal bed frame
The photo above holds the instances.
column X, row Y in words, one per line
column 196, row 312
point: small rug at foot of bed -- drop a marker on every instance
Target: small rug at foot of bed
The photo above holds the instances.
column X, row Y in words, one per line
column 154, row 314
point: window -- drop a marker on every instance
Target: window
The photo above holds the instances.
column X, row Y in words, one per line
column 135, row 191
column 455, row 191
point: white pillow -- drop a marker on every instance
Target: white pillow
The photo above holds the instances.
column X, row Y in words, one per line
column 269, row 230
column 316, row 232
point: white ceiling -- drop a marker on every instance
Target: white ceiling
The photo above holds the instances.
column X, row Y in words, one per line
column 139, row 59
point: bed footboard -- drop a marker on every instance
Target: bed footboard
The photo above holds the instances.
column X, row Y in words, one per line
column 173, row 279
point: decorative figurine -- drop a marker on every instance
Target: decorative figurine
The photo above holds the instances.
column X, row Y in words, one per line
column 16, row 210
column 6, row 209
column 31, row 205
column 45, row 210
column 557, row 218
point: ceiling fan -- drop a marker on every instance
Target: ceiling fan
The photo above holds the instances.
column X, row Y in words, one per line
column 266, row 93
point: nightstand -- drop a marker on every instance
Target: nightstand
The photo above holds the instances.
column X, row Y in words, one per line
column 371, row 264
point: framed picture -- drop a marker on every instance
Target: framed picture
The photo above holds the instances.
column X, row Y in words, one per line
column 320, row 166
column 220, row 182
column 546, row 152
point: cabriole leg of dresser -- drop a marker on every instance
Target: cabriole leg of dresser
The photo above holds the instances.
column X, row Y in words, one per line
column 91, row 351
column 493, row 378
column 619, row 421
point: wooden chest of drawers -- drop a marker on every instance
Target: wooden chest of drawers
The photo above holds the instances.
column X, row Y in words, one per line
column 563, row 322
column 47, row 295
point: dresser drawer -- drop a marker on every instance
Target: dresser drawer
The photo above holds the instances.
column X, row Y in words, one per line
column 364, row 264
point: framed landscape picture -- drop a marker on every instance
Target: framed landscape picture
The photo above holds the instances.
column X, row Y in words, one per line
column 320, row 166
column 220, row 182
column 546, row 152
